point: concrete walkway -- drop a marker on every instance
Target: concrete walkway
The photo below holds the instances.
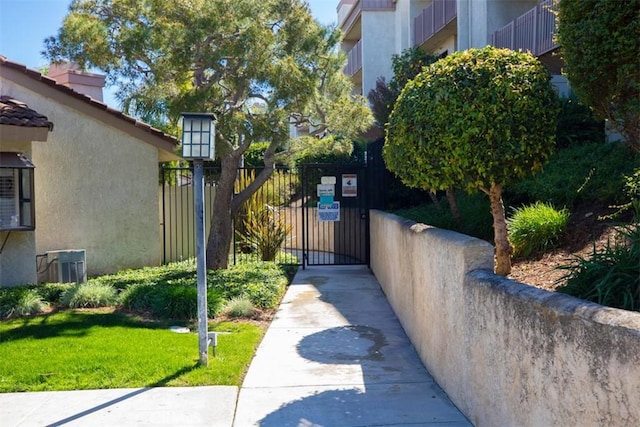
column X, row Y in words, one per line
column 335, row 355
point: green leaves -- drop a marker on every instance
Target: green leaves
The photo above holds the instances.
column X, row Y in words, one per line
column 471, row 119
column 600, row 48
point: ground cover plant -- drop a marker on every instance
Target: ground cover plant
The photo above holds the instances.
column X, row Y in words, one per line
column 128, row 343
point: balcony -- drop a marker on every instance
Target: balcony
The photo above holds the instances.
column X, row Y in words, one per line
column 349, row 11
column 534, row 31
column 433, row 19
column 354, row 61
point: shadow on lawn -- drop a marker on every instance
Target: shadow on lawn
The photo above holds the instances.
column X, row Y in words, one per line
column 73, row 323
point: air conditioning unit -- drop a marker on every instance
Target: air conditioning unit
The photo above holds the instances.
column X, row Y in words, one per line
column 67, row 266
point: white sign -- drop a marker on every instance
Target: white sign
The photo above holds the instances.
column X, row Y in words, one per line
column 329, row 212
column 349, row 185
column 328, row 180
column 326, row 190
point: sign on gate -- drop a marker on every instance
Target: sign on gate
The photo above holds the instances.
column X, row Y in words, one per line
column 329, row 212
column 349, row 185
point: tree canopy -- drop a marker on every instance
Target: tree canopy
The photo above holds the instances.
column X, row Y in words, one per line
column 478, row 120
column 405, row 67
column 169, row 56
column 599, row 45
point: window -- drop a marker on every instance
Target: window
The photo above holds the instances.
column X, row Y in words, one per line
column 17, row 210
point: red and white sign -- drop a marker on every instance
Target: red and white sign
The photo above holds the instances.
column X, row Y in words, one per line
column 349, row 185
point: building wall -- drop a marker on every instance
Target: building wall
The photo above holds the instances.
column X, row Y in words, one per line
column 378, row 44
column 507, row 354
column 96, row 189
column 18, row 256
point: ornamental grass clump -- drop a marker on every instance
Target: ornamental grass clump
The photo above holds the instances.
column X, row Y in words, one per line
column 610, row 276
column 239, row 307
column 20, row 301
column 89, row 295
column 536, row 228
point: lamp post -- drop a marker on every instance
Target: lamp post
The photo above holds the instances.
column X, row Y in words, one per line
column 198, row 144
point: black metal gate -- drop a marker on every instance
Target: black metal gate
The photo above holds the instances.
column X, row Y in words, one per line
column 336, row 214
column 317, row 226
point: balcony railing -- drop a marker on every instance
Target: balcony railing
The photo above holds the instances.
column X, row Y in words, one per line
column 433, row 19
column 356, row 9
column 534, row 31
column 354, row 62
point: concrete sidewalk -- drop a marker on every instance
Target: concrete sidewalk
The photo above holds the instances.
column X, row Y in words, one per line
column 335, row 355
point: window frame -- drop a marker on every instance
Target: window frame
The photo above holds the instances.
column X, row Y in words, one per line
column 22, row 172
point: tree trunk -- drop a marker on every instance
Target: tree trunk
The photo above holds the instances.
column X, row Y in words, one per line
column 453, row 205
column 221, row 231
column 434, row 200
column 226, row 205
column 501, row 239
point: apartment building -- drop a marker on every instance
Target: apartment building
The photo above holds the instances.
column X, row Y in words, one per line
column 374, row 30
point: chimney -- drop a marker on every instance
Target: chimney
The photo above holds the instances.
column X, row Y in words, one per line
column 71, row 76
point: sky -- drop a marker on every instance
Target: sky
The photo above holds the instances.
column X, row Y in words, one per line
column 24, row 24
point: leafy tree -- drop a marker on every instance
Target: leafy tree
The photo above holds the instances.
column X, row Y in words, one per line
column 599, row 40
column 168, row 56
column 405, row 67
column 478, row 120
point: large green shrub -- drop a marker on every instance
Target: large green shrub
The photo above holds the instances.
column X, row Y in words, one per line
column 588, row 173
column 478, row 120
column 577, row 124
column 600, row 48
column 474, row 209
column 405, row 67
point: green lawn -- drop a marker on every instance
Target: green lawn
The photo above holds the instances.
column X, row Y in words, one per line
column 75, row 350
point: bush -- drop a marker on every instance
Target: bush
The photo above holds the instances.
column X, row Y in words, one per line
column 577, row 124
column 536, row 228
column 585, row 173
column 239, row 307
column 52, row 292
column 610, row 276
column 262, row 282
column 182, row 272
column 474, row 209
column 600, row 49
column 170, row 301
column 20, row 301
column 89, row 295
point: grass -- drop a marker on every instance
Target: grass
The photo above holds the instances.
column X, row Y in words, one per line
column 80, row 350
column 129, row 344
column 536, row 228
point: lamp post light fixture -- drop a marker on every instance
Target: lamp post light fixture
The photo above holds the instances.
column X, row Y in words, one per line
column 198, row 144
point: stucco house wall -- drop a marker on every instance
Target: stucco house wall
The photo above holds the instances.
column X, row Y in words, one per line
column 96, row 179
column 18, row 254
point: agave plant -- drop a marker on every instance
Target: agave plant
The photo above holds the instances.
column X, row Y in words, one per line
column 266, row 230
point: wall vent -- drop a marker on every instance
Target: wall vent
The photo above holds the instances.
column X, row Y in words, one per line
column 67, row 266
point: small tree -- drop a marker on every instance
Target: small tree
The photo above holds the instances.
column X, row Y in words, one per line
column 478, row 120
column 599, row 40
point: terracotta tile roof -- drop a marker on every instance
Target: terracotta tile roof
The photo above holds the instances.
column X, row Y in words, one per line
column 16, row 113
column 35, row 75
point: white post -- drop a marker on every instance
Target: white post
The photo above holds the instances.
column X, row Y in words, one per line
column 201, row 265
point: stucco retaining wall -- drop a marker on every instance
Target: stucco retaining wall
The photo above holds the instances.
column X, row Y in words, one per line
column 506, row 353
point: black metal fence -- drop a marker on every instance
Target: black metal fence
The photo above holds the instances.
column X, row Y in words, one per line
column 268, row 219
column 283, row 220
